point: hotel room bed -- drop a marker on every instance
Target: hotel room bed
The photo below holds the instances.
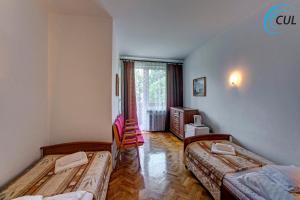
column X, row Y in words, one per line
column 218, row 173
column 92, row 177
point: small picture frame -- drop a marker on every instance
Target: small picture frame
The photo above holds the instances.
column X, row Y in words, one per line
column 199, row 87
column 117, row 85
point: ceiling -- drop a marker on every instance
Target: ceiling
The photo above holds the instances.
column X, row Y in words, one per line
column 163, row 28
column 173, row 28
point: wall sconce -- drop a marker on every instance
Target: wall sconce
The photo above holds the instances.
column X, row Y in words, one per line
column 235, row 79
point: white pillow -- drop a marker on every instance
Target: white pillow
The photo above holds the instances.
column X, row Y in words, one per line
column 286, row 176
column 263, row 186
column 70, row 161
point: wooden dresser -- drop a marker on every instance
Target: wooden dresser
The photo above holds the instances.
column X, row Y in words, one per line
column 180, row 116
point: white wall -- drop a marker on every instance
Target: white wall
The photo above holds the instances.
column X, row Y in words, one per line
column 23, row 84
column 116, row 69
column 116, row 100
column 264, row 113
column 80, row 66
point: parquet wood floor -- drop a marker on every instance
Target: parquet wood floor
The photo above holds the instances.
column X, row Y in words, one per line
column 162, row 175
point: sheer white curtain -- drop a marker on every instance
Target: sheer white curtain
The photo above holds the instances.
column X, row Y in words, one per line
column 150, row 82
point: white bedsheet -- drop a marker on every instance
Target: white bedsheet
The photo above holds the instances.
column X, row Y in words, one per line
column 264, row 186
column 79, row 195
column 242, row 191
column 34, row 197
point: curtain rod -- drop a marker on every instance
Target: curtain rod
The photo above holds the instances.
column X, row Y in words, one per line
column 151, row 59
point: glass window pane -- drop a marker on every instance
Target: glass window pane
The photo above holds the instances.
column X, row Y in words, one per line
column 150, row 79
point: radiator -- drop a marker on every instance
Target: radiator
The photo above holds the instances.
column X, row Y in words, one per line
column 157, row 120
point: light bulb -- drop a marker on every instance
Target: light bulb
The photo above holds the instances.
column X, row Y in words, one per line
column 235, row 79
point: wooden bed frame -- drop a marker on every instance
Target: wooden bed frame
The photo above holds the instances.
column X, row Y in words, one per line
column 68, row 148
column 226, row 193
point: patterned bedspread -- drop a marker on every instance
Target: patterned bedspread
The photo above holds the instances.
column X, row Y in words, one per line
column 211, row 168
column 92, row 177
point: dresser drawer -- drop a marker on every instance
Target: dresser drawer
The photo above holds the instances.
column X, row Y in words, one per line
column 178, row 118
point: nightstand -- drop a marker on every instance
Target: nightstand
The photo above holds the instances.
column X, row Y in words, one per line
column 192, row 130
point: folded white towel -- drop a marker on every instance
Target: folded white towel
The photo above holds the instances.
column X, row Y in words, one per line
column 36, row 197
column 80, row 195
column 220, row 148
column 70, row 161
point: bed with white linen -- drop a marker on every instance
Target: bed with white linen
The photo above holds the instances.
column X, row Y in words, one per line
column 221, row 173
column 41, row 179
column 210, row 168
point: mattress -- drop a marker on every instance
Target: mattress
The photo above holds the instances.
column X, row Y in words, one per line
column 241, row 191
column 210, row 168
column 92, row 177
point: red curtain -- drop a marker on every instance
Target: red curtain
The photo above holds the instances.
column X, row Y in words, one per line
column 174, row 89
column 129, row 91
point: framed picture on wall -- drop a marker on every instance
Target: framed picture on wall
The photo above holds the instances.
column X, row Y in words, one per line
column 199, row 87
column 117, row 85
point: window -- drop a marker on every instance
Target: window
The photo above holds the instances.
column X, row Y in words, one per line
column 150, row 83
